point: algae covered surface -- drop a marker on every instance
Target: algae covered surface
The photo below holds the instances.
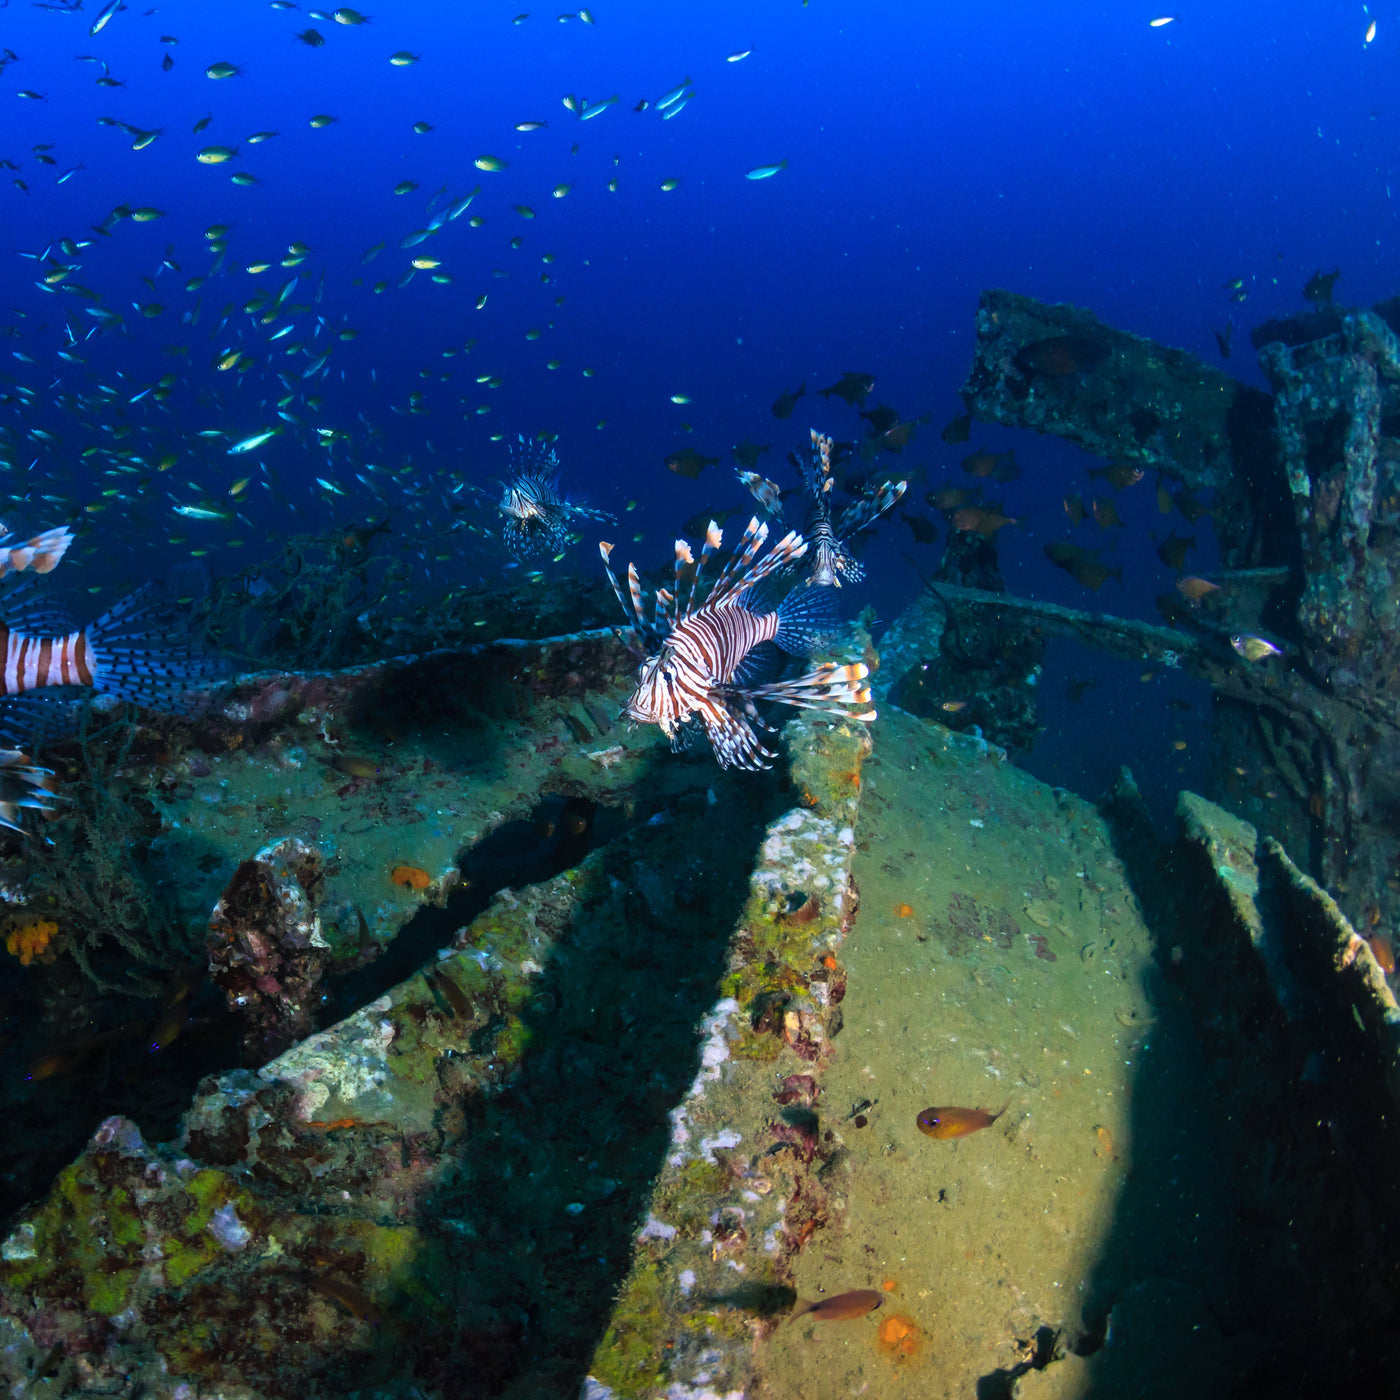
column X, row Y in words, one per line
column 628, row 1111
column 999, row 962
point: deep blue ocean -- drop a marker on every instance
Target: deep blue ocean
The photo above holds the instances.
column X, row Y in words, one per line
column 1073, row 153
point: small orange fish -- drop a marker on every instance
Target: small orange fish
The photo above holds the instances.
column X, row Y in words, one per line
column 1196, row 588
column 957, row 1122
column 1383, row 952
column 840, row 1307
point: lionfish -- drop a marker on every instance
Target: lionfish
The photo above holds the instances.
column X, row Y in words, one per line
column 831, row 560
column 139, row 650
column 704, row 659
column 538, row 517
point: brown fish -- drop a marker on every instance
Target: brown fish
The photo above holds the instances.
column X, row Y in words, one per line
column 1319, row 285
column 881, row 418
column 959, row 430
column 1082, row 565
column 899, row 435
column 1105, row 513
column 1189, row 506
column 1223, row 338
column 747, row 453
column 981, row 520
column 1000, row 466
column 841, row 1307
column 688, row 462
column 957, row 1122
column 1074, row 508
column 925, row 532
column 788, row 401
column 1172, row 550
column 1172, row 609
column 354, row 1300
column 1061, row 355
column 1196, row 588
column 353, row 766
column 1119, row 475
column 450, row 991
column 1164, row 499
column 698, row 522
column 852, row 387
column 951, row 497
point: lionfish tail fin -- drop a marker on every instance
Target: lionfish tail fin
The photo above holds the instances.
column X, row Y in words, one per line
column 825, row 690
column 141, row 650
column 39, row 555
column 864, row 514
column 23, row 787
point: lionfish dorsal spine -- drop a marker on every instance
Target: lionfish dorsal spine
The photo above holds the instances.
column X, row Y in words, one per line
column 634, row 589
column 752, row 541
column 663, row 612
column 605, row 550
column 685, row 575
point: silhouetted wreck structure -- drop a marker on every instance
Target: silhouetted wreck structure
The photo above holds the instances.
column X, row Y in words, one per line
column 1306, row 493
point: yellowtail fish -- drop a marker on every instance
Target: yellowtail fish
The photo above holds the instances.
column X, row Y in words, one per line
column 203, row 512
column 23, row 786
column 249, row 444
column 765, row 172
column 675, row 95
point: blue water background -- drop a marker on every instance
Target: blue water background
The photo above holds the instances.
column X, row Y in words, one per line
column 1070, row 152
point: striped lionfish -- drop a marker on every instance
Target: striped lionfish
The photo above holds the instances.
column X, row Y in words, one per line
column 138, row 650
column 538, row 517
column 831, row 560
column 704, row 658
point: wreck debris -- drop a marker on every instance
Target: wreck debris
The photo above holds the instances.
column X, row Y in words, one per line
column 265, row 946
column 1306, row 504
column 1124, row 398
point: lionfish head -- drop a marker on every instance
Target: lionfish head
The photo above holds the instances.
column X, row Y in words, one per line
column 655, row 700
column 519, row 503
column 826, row 566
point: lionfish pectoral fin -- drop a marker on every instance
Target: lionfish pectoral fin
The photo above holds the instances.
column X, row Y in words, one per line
column 825, row 690
column 733, row 739
column 864, row 514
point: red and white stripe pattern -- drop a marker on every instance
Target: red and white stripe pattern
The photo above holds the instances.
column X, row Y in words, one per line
column 33, row 662
column 699, row 651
